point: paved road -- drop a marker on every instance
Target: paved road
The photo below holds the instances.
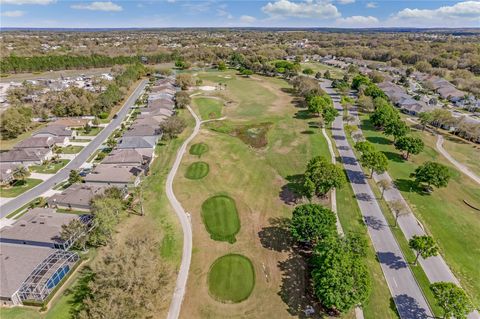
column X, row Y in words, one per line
column 62, row 175
column 435, row 267
column 184, row 218
column 458, row 165
column 406, row 293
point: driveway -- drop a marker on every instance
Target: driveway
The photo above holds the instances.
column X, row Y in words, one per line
column 62, row 175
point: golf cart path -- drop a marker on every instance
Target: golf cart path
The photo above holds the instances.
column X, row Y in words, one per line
column 184, row 218
column 457, row 164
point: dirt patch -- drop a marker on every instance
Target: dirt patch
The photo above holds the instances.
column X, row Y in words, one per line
column 254, row 135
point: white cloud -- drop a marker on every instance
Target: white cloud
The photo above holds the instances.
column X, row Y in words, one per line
column 460, row 14
column 372, row 5
column 171, row 1
column 20, row 2
column 13, row 14
column 98, row 6
column 357, row 21
column 345, row 1
column 247, row 19
column 224, row 13
column 305, row 9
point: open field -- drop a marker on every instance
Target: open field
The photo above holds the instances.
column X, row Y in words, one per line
column 19, row 187
column 231, row 278
column 319, row 67
column 257, row 179
column 197, row 170
column 443, row 213
column 465, row 152
column 49, row 168
column 209, row 108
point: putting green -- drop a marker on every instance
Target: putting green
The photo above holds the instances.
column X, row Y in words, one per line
column 198, row 149
column 231, row 278
column 220, row 217
column 197, row 170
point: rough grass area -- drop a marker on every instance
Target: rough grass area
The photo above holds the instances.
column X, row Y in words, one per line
column 197, row 170
column 198, row 149
column 454, row 225
column 219, row 214
column 231, row 278
column 209, row 108
column 49, row 167
column 254, row 135
column 19, row 187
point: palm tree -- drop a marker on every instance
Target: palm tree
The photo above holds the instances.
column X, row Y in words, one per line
column 21, row 173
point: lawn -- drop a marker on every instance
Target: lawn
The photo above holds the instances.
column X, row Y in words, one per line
column 231, row 278
column 93, row 132
column 71, row 149
column 49, row 167
column 319, row 67
column 220, row 216
column 464, row 152
column 198, row 149
column 19, row 187
column 443, row 213
column 209, row 108
column 197, row 170
column 258, row 179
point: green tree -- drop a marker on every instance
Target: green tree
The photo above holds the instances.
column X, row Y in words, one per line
column 424, row 246
column 182, row 99
column 340, row 276
column 311, row 223
column 75, row 228
column 111, row 143
column 21, row 173
column 396, row 128
column 359, row 80
column 432, row 173
column 425, row 119
column 321, row 176
column 107, row 213
column 184, row 80
column 452, row 299
column 370, row 158
column 384, row 113
column 74, row 177
column 222, row 66
column 246, row 72
column 409, row 145
column 322, row 105
column 327, row 75
column 15, row 121
column 307, row 71
column 172, row 127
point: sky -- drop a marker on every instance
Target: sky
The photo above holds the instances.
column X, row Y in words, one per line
column 238, row 13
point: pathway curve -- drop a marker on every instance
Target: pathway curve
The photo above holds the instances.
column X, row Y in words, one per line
column 435, row 267
column 184, row 218
column 408, row 298
column 457, row 164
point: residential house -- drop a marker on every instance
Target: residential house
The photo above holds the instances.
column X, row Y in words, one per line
column 143, row 130
column 7, row 172
column 26, row 156
column 127, row 157
column 72, row 122
column 36, row 142
column 76, row 197
column 56, row 132
column 137, row 142
column 121, row 176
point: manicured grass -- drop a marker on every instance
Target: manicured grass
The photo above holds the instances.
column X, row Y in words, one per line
column 198, row 149
column 19, row 187
column 454, row 225
column 209, row 108
column 464, row 152
column 219, row 214
column 71, row 149
column 197, row 170
column 231, row 278
column 94, row 131
column 49, row 168
column 81, row 140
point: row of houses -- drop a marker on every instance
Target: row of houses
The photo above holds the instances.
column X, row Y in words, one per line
column 38, row 148
column 125, row 165
column 34, row 255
